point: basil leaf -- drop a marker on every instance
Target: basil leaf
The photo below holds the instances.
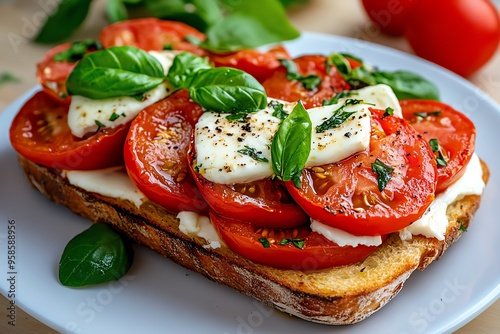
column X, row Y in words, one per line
column 264, row 242
column 279, row 112
column 199, row 14
column 6, row 77
column 338, row 96
column 309, row 82
column 96, row 255
column 117, row 71
column 341, row 63
column 408, row 85
column 183, row 68
column 388, row 112
column 338, row 117
column 77, row 50
column 424, row 114
column 68, row 16
column 253, row 153
column 383, row 173
column 291, row 145
column 435, row 147
column 229, row 90
column 252, row 23
column 116, row 10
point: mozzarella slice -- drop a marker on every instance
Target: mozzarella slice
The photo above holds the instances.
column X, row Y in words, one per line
column 342, row 238
column 220, row 142
column 381, row 96
column 87, row 115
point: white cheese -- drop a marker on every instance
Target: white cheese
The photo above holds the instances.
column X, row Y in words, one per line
column 342, row 238
column 193, row 224
column 433, row 223
column 381, row 96
column 218, row 140
column 85, row 114
column 112, row 182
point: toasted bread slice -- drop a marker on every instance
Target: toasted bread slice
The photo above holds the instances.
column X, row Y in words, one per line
column 342, row 295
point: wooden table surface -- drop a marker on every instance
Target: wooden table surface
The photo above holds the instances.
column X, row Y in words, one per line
column 20, row 19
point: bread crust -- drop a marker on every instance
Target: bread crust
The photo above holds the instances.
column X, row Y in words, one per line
column 336, row 296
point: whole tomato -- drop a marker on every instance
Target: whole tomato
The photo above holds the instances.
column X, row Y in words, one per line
column 461, row 35
column 388, row 15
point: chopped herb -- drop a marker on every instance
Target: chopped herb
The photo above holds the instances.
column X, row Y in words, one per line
column 264, row 242
column 279, row 112
column 341, row 63
column 6, row 77
column 139, row 97
column 462, row 227
column 238, row 117
column 253, row 153
column 424, row 114
column 299, row 243
column 352, row 102
column 310, row 82
column 168, row 47
column 114, row 116
column 383, row 173
column 388, row 112
column 440, row 160
column 197, row 168
column 338, row 96
column 77, row 50
column 99, row 124
column 338, row 117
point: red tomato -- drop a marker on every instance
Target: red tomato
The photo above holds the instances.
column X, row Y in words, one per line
column 456, row 134
column 461, row 35
column 52, row 74
column 40, row 133
column 332, row 82
column 156, row 153
column 388, row 15
column 259, row 64
column 151, row 34
column 261, row 203
column 317, row 251
column 346, row 195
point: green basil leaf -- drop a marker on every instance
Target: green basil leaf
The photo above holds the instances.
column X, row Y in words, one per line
column 228, row 90
column 309, row 82
column 388, row 112
column 264, row 242
column 384, row 173
column 6, row 77
column 199, row 14
column 68, row 16
column 183, row 68
column 251, row 24
column 335, row 99
column 291, row 145
column 341, row 63
column 279, row 112
column 77, row 50
column 116, row 71
column 408, row 85
column 435, row 147
column 338, row 117
column 96, row 255
column 116, row 10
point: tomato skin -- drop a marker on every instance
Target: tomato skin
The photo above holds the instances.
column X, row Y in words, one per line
column 455, row 132
column 40, row 133
column 461, row 35
column 268, row 205
column 279, row 87
column 261, row 65
column 388, row 15
column 156, row 153
column 317, row 253
column 151, row 34
column 349, row 198
column 52, row 75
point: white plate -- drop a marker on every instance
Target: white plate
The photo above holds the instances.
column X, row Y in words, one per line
column 160, row 296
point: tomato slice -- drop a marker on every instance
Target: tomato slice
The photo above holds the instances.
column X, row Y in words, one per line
column 345, row 194
column 332, row 82
column 156, row 153
column 455, row 133
column 40, row 132
column 152, row 34
column 316, row 253
column 262, row 203
column 52, row 74
column 260, row 65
